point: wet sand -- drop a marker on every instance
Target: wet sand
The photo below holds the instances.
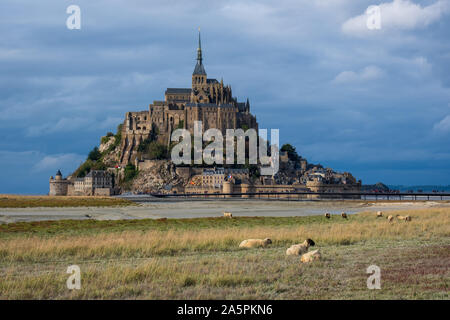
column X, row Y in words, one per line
column 212, row 208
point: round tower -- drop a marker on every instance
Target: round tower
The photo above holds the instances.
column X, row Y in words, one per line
column 228, row 188
column 315, row 186
column 58, row 185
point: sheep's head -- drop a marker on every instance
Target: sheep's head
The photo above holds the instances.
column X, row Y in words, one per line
column 310, row 242
column 268, row 241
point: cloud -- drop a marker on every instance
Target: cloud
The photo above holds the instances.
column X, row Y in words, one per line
column 61, row 90
column 443, row 125
column 73, row 124
column 399, row 15
column 368, row 73
column 27, row 172
column 58, row 161
column 62, row 125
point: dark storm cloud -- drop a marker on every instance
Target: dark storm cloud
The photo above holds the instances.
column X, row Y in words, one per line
column 376, row 104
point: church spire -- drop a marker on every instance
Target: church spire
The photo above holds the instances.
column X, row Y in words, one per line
column 199, row 69
column 199, row 49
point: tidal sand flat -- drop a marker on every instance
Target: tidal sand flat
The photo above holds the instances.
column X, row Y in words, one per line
column 202, row 209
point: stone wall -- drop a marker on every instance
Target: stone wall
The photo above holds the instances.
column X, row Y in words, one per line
column 58, row 187
column 102, row 192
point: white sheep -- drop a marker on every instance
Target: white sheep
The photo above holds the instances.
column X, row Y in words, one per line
column 327, row 215
column 301, row 248
column 390, row 218
column 255, row 243
column 227, row 215
column 404, row 218
column 310, row 256
column 379, row 214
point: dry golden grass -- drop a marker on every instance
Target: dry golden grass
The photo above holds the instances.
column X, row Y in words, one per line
column 19, row 201
column 206, row 263
column 425, row 224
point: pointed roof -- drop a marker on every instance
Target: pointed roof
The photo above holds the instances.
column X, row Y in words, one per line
column 59, row 173
column 199, row 69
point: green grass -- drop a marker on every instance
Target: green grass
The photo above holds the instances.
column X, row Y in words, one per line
column 87, row 227
column 12, row 201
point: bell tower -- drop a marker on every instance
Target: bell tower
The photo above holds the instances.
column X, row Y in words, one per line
column 199, row 74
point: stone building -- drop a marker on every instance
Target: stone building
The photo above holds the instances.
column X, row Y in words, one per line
column 95, row 183
column 215, row 177
column 208, row 100
column 58, row 185
column 314, row 180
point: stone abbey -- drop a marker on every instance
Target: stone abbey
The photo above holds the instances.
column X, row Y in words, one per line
column 208, row 100
column 212, row 103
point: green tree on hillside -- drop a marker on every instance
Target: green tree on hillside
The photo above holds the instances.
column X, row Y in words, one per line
column 130, row 172
column 95, row 154
column 157, row 151
column 292, row 153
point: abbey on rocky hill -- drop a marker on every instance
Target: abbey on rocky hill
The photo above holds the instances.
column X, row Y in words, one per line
column 208, row 100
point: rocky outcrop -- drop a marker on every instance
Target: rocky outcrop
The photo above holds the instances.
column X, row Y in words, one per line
column 159, row 176
column 111, row 154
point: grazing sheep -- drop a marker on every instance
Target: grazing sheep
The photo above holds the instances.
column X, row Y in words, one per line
column 344, row 215
column 327, row 215
column 301, row 248
column 254, row 243
column 390, row 218
column 310, row 256
column 379, row 214
column 404, row 218
column 227, row 215
column 88, row 216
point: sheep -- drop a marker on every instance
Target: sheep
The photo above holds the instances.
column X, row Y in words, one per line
column 310, row 256
column 227, row 215
column 405, row 218
column 390, row 218
column 88, row 216
column 327, row 215
column 344, row 215
column 379, row 214
column 299, row 249
column 254, row 243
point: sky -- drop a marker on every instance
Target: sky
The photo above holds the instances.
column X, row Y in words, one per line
column 374, row 102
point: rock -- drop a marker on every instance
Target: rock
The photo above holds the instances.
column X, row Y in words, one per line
column 158, row 177
column 105, row 146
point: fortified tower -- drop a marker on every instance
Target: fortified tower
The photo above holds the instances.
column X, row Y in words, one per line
column 58, row 185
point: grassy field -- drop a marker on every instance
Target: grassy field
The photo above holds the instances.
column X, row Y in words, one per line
column 200, row 258
column 16, row 201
